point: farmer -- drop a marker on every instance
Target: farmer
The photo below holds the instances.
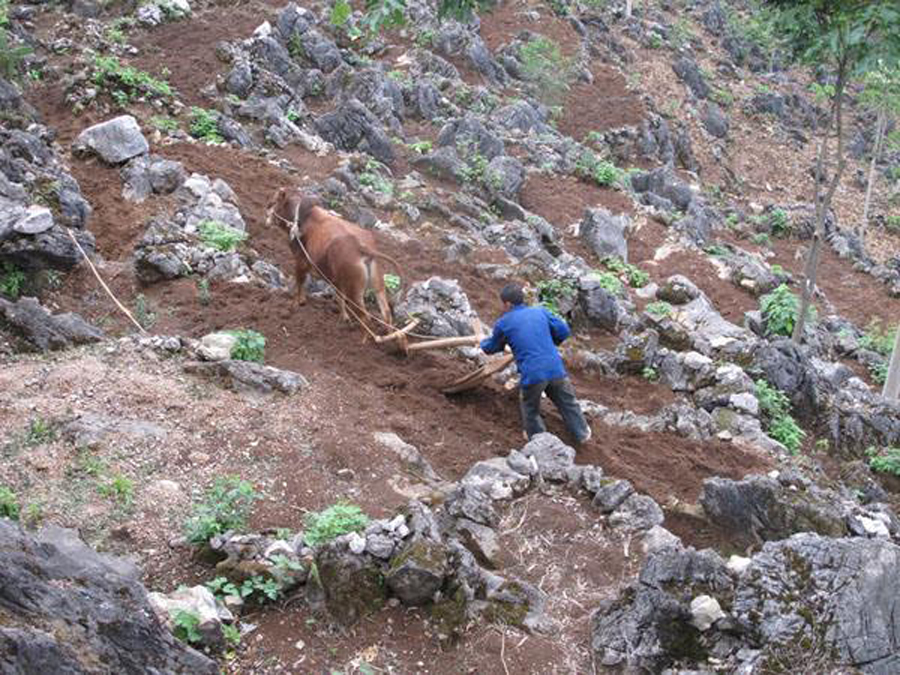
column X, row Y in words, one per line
column 533, row 333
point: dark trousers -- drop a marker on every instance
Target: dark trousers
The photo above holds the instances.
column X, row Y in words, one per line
column 562, row 393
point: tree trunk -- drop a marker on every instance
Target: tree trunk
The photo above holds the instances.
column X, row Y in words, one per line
column 879, row 139
column 823, row 204
column 891, row 389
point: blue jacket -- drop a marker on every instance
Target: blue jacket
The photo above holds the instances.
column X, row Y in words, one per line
column 532, row 333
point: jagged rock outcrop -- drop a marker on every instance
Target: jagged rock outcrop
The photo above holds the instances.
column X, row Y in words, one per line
column 68, row 609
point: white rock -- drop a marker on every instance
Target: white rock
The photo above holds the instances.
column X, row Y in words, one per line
column 738, row 564
column 356, row 543
column 197, row 600
column 873, row 527
column 263, row 30
column 393, row 524
column 37, row 219
column 745, row 402
column 658, row 537
column 216, row 346
column 705, row 612
column 279, row 547
column 402, row 531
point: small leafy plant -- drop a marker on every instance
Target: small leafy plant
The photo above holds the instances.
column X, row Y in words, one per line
column 779, row 310
column 780, row 223
column 205, row 126
column 636, row 277
column 143, row 314
column 12, row 280
column 220, row 236
column 187, row 627
column 39, row 431
column 9, row 503
column 372, row 178
column 421, row 147
column 602, row 172
column 250, row 345
column 119, row 488
column 544, row 64
column 226, row 506
column 659, row 308
column 551, row 291
column 391, row 283
column 775, row 408
column 125, row 83
column 341, row 518
column 650, row 374
column 609, row 282
column 885, row 461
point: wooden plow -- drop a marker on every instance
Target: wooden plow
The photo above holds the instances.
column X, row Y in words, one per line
column 401, row 339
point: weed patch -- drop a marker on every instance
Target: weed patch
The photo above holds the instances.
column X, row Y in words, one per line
column 886, row 460
column 775, row 408
column 205, row 126
column 780, row 309
column 551, row 291
column 342, row 518
column 250, row 345
column 125, row 83
column 220, row 236
column 12, row 281
column 225, row 506
column 545, row 66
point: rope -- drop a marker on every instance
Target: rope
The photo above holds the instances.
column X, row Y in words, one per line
column 103, row 283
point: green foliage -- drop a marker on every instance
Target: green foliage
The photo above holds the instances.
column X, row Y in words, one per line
column 205, row 126
column 334, row 521
column 340, row 13
column 187, row 627
column 39, row 431
column 650, row 374
column 257, row 588
column 780, row 309
column 716, row 250
column 780, row 425
column 892, row 223
column 203, row 291
column 372, row 178
column 420, row 147
column 143, row 314
column 12, row 280
column 602, row 172
column 878, row 338
column 383, row 14
column 391, row 283
column 551, row 291
column 462, row 10
column 225, row 506
column 609, row 282
column 125, row 83
column 167, row 124
column 250, row 345
column 118, row 488
column 636, row 277
column 885, row 461
column 9, row 503
column 780, row 223
column 220, row 236
column 10, row 56
column 232, row 634
column 659, row 308
column 761, row 239
column 544, row 64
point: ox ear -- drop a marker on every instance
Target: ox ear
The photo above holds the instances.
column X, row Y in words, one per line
column 307, row 204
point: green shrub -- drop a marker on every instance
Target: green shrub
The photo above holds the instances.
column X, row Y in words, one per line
column 660, row 309
column 650, row 374
column 256, row 588
column 421, row 147
column 780, row 309
column 775, row 408
column 250, row 345
column 391, row 283
column 187, row 627
column 124, row 83
column 10, row 56
column 225, row 506
column 780, row 223
column 220, row 236
column 878, row 339
column 551, row 291
column 9, row 503
column 39, row 431
column 545, row 66
column 885, row 461
column 334, row 521
column 205, row 126
column 609, row 282
column 761, row 239
column 12, row 280
column 636, row 277
column 373, row 179
column 119, row 488
column 602, row 172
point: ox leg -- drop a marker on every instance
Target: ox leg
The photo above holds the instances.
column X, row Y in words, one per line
column 301, row 271
column 377, row 281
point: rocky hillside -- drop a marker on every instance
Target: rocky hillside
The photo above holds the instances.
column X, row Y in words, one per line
column 292, row 499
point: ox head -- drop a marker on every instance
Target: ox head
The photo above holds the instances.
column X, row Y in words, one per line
column 289, row 205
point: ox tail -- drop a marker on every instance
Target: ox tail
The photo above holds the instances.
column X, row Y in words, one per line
column 375, row 254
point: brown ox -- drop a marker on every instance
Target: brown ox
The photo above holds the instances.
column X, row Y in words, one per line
column 333, row 248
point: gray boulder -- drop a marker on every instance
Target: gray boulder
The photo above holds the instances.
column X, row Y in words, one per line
column 97, row 608
column 604, row 233
column 601, row 307
column 115, row 140
column 638, row 512
column 51, row 248
column 553, row 457
column 496, row 479
column 611, row 493
column 440, row 305
column 785, row 365
column 353, row 127
column 715, row 121
column 688, row 71
column 44, row 330
column 352, row 587
column 248, row 376
column 469, row 136
column 417, row 573
column 835, row 598
column 771, row 510
column 504, row 177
